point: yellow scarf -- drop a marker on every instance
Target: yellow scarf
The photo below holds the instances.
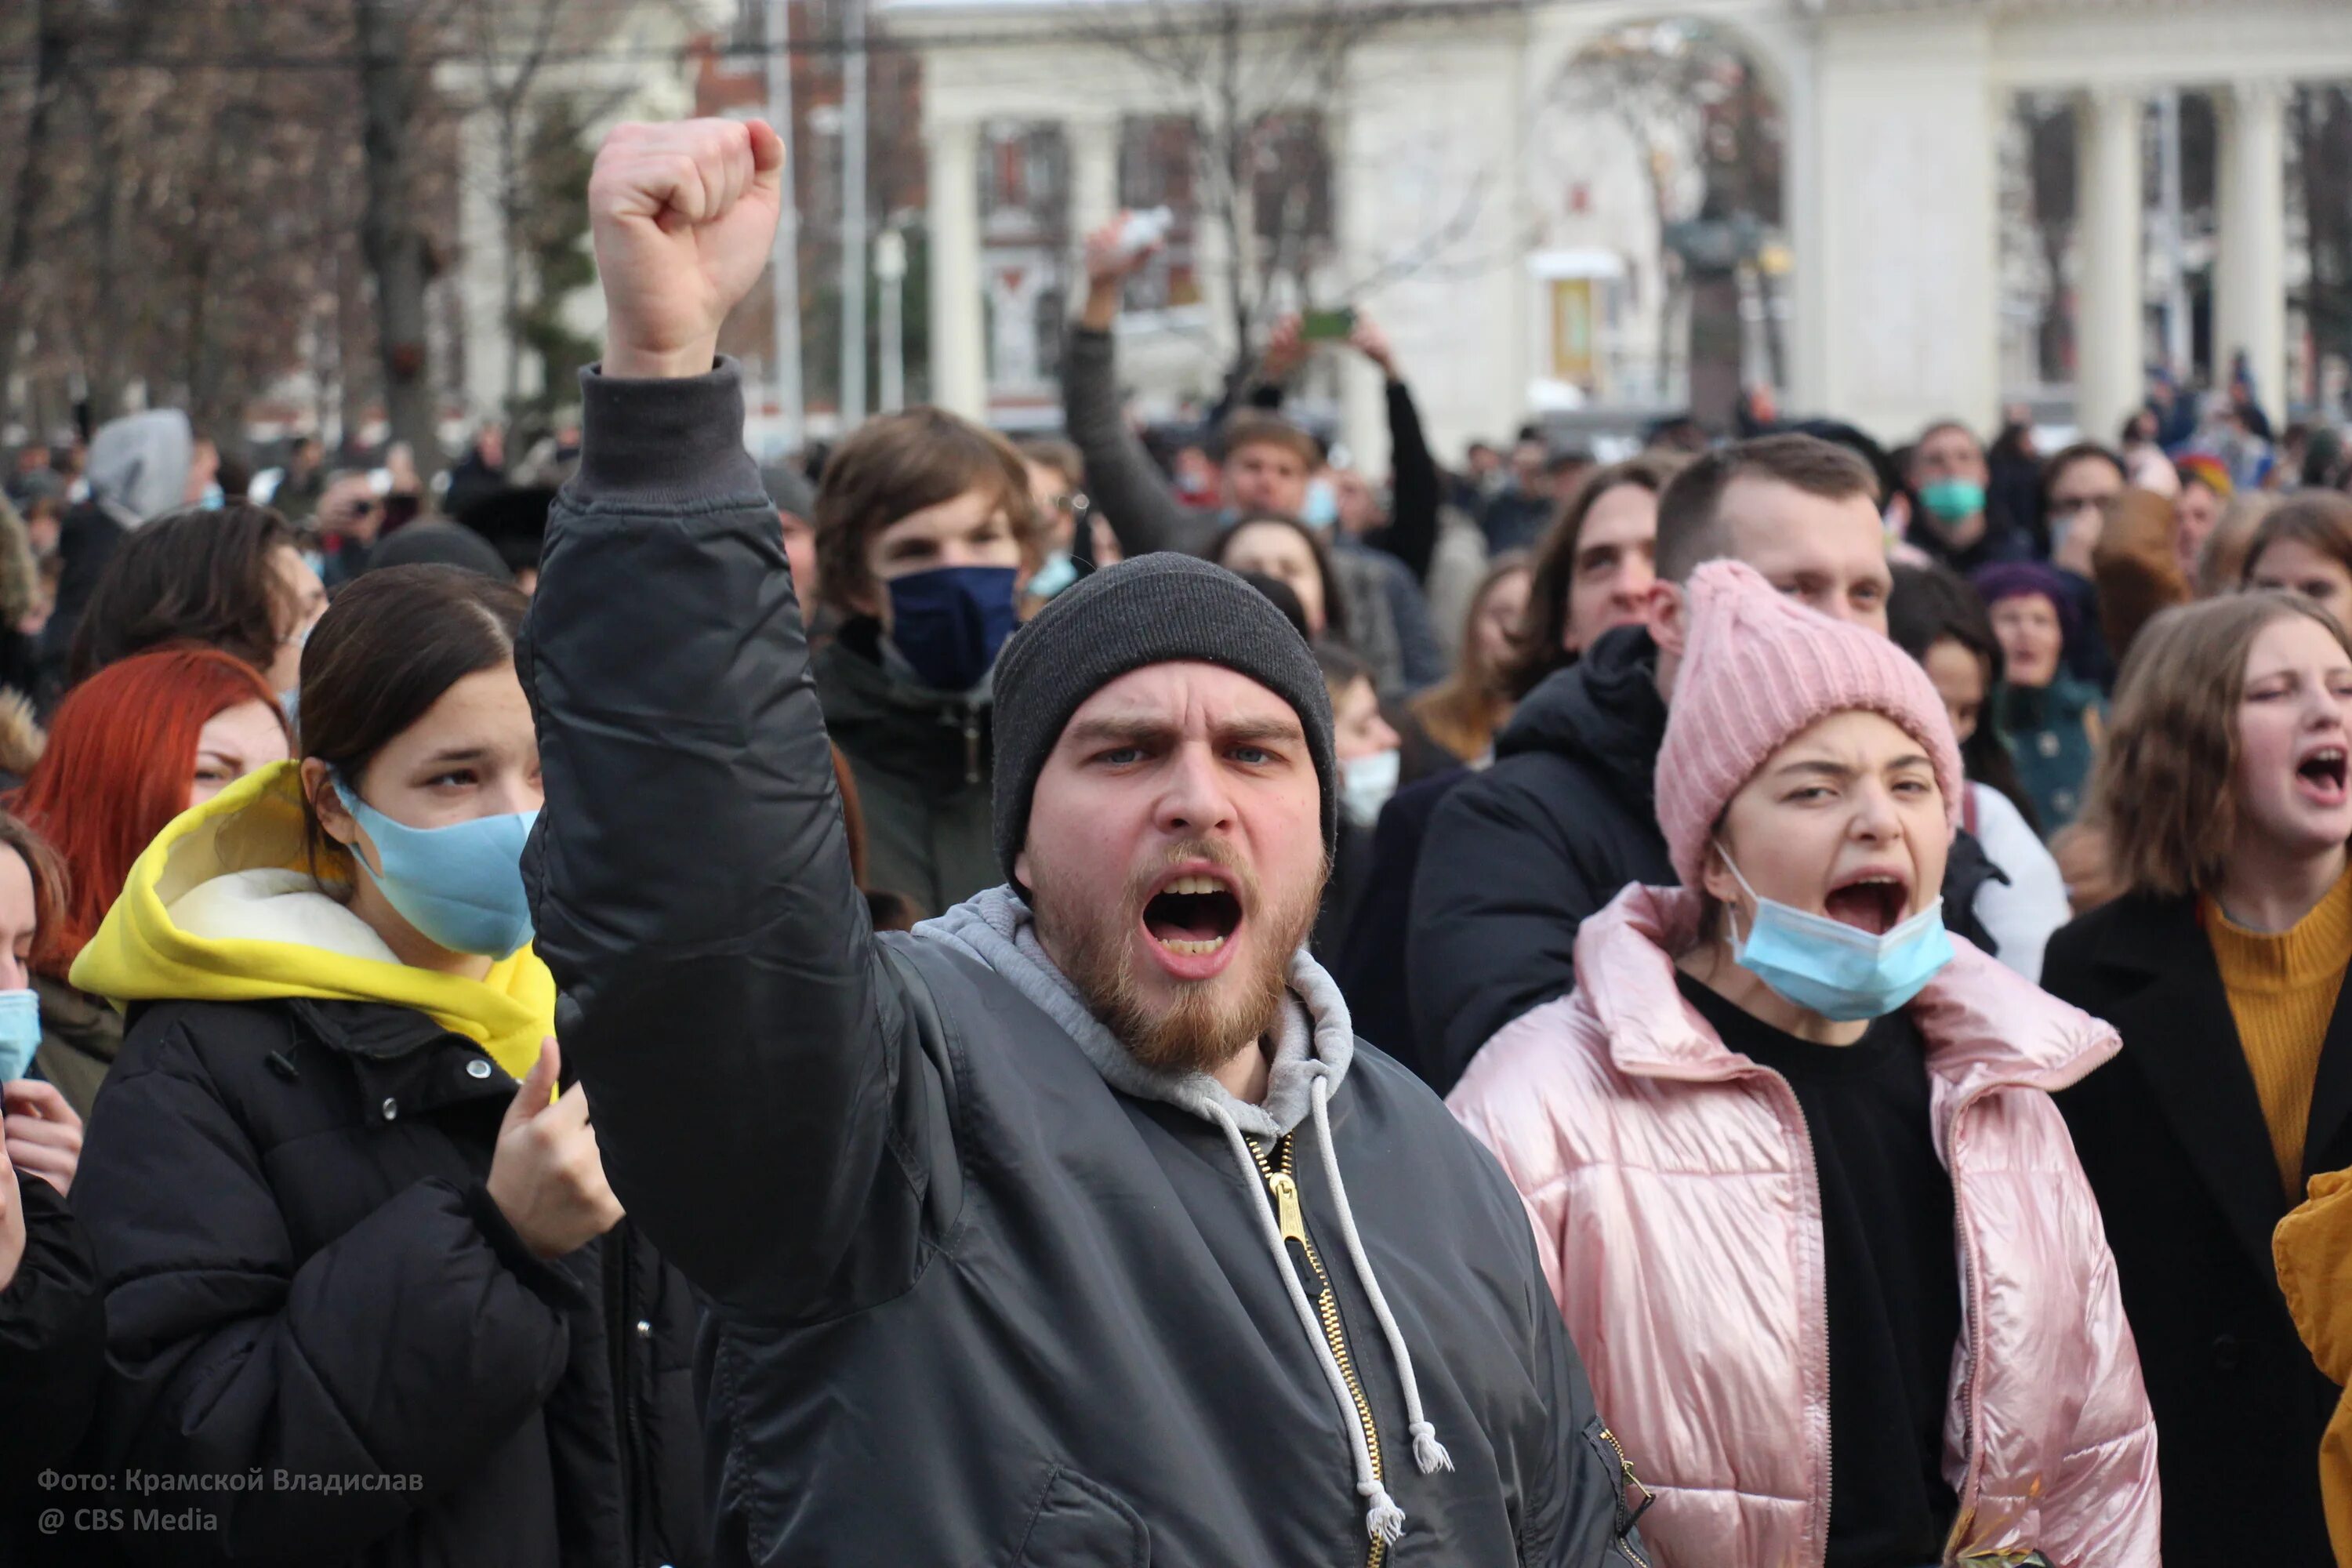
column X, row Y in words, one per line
column 264, row 935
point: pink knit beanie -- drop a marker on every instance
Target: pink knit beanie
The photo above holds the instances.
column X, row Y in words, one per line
column 1758, row 669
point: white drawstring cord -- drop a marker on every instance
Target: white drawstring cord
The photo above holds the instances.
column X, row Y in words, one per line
column 1383, row 1520
column 1427, row 1452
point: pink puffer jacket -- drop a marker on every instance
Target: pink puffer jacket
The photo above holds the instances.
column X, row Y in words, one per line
column 1675, row 1206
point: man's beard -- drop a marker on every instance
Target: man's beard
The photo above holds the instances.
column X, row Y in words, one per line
column 1212, row 1020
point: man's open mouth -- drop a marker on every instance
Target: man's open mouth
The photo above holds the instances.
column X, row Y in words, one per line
column 2322, row 773
column 1871, row 901
column 1194, row 914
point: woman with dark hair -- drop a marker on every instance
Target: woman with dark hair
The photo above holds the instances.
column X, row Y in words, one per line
column 351, row 1234
column 131, row 748
column 230, row 579
column 1294, row 555
column 1937, row 619
column 2222, row 800
column 1593, row 570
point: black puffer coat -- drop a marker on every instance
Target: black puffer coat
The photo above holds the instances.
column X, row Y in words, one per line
column 304, row 1272
column 973, row 1305
column 52, row 1352
column 1517, row 856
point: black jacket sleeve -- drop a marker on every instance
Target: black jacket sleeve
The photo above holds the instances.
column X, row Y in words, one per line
column 1497, row 903
column 409, row 1347
column 1415, row 489
column 52, row 1342
column 1121, row 478
column 759, row 1096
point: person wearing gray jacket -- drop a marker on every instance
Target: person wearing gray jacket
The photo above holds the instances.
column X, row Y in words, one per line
column 1076, row 1226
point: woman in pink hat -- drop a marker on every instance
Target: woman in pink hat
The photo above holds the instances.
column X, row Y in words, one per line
column 1796, row 1181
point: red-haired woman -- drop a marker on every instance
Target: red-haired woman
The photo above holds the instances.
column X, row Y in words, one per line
column 130, row 748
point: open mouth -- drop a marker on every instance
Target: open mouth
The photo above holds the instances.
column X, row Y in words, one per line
column 1193, row 915
column 2322, row 775
column 1873, row 901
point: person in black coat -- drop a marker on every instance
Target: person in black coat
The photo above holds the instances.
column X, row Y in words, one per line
column 2224, row 799
column 348, row 1264
column 1518, row 857
column 52, row 1320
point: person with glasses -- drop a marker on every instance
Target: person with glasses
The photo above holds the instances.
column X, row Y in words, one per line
column 2076, row 485
column 1077, row 537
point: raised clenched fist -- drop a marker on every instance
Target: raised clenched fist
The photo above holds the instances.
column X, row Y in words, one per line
column 683, row 215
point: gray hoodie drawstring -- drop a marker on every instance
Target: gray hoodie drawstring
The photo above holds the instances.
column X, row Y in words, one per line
column 1383, row 1519
column 1428, row 1453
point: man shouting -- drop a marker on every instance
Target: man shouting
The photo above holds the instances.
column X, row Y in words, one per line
column 1077, row 1227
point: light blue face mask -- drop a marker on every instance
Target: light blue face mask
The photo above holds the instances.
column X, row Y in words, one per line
column 1322, row 507
column 1058, row 573
column 460, row 885
column 1835, row 969
column 20, row 1032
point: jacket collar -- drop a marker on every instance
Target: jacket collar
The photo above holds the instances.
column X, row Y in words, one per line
column 1984, row 1027
column 403, row 1062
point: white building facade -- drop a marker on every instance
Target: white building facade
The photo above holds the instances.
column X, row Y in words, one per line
column 1451, row 155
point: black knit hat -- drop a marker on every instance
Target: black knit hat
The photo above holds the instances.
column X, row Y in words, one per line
column 1154, row 609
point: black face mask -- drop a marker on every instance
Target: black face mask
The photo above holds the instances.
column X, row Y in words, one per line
column 949, row 622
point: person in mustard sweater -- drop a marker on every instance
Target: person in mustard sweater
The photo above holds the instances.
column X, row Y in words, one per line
column 2313, row 1246
column 356, row 1251
column 2222, row 795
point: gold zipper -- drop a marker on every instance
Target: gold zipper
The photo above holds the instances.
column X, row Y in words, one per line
column 1290, row 1217
column 1627, row 1476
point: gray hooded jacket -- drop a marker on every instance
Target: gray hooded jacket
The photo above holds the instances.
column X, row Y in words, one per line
column 986, row 1291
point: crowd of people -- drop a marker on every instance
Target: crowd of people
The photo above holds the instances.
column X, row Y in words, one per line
column 1142, row 997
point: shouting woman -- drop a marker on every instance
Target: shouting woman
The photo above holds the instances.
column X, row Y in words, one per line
column 1798, row 1183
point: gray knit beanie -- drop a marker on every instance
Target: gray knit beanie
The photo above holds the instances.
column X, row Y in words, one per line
column 1154, row 609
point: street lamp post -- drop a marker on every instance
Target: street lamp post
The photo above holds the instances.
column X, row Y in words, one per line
column 890, row 271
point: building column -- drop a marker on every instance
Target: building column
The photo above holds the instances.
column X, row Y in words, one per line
column 2109, row 376
column 2250, row 271
column 1806, row 334
column 1093, row 142
column 959, row 358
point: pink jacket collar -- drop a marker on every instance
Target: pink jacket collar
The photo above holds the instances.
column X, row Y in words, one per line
column 1984, row 1025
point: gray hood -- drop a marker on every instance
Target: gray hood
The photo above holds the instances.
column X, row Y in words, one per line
column 139, row 464
column 1318, row 1039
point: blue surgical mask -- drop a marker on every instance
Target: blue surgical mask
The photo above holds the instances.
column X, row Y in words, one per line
column 20, row 1032
column 460, row 885
column 948, row 623
column 1835, row 969
column 1322, row 507
column 1950, row 500
column 1058, row 573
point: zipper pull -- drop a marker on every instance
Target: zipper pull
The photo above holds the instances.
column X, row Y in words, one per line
column 1286, row 1214
column 1291, row 1221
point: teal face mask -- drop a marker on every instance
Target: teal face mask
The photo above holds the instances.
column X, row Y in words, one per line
column 460, row 885
column 1949, row 500
column 1835, row 969
column 20, row 1032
